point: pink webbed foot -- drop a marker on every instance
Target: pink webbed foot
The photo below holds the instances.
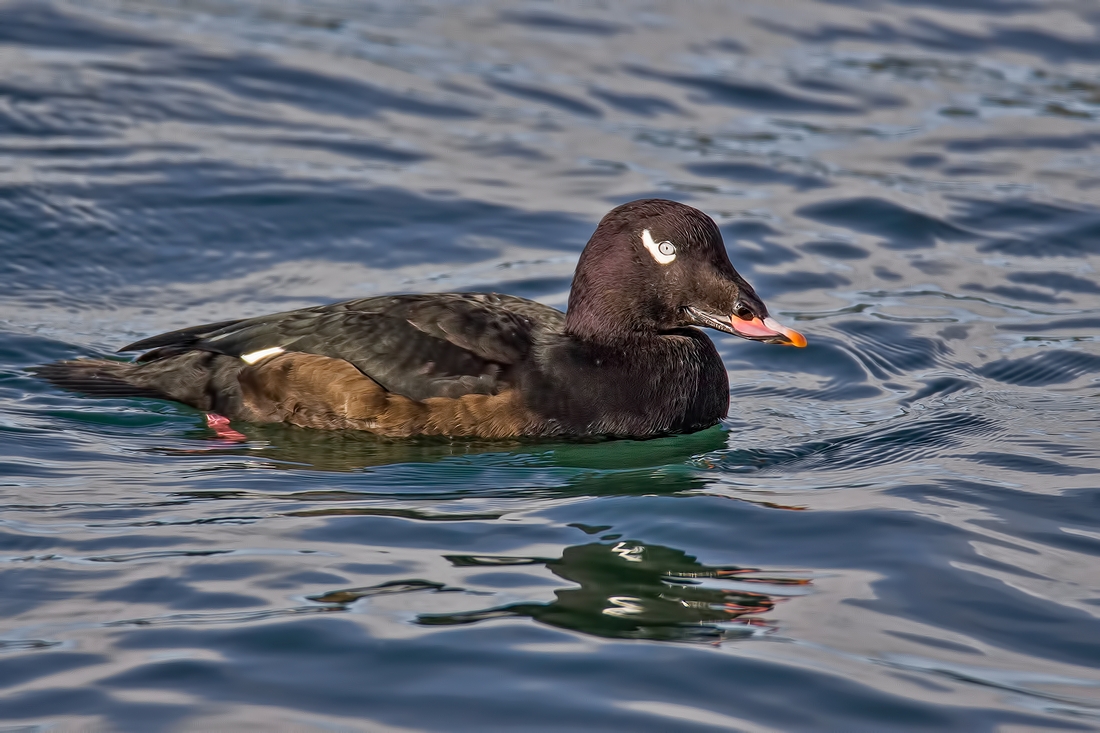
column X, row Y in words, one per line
column 220, row 425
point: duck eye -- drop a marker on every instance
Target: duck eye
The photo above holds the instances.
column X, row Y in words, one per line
column 663, row 252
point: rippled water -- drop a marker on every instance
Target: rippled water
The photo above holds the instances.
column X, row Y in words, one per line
column 897, row 528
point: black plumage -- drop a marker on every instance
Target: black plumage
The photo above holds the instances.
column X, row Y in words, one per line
column 438, row 345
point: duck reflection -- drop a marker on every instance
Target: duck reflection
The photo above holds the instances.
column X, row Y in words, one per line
column 629, row 590
column 620, row 588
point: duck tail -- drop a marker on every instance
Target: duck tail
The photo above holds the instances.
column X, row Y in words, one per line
column 97, row 377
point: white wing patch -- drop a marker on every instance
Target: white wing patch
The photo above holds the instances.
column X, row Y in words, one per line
column 255, row 356
column 663, row 252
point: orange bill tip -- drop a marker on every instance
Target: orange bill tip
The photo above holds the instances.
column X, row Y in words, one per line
column 794, row 337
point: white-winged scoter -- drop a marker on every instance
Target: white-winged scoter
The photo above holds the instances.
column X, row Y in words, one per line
column 626, row 360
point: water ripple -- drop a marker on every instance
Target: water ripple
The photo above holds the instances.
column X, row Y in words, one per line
column 894, row 529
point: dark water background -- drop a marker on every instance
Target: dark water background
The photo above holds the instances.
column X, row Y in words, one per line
column 897, row 528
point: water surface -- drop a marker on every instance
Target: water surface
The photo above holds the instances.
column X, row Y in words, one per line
column 897, row 528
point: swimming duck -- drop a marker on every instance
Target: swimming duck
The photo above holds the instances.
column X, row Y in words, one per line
column 626, row 360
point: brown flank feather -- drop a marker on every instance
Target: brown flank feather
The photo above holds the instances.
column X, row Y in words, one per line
column 314, row 391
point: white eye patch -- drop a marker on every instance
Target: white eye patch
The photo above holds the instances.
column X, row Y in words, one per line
column 663, row 252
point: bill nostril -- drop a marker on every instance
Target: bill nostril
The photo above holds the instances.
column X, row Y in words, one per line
column 744, row 313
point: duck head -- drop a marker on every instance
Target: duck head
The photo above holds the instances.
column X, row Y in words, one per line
column 655, row 266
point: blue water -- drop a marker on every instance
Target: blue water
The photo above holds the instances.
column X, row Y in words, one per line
column 897, row 528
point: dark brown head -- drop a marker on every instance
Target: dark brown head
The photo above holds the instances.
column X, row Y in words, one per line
column 655, row 265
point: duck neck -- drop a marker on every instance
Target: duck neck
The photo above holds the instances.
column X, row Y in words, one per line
column 597, row 330
column 607, row 315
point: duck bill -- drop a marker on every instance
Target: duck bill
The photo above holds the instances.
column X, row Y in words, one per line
column 768, row 330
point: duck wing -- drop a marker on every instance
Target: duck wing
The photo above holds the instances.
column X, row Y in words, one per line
column 418, row 346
